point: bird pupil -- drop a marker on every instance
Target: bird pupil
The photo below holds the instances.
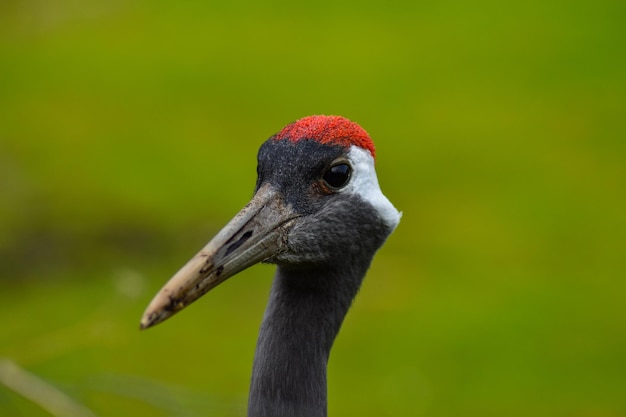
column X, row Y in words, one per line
column 338, row 175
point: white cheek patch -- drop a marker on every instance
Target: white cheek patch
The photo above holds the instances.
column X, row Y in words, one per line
column 364, row 183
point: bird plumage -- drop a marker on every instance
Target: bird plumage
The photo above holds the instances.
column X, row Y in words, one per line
column 318, row 213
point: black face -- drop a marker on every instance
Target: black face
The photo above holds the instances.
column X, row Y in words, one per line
column 334, row 226
column 299, row 169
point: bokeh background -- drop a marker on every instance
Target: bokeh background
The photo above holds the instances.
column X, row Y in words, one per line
column 128, row 137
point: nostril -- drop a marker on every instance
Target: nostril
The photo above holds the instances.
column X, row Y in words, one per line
column 238, row 243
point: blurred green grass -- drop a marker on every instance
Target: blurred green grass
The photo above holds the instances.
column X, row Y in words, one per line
column 128, row 135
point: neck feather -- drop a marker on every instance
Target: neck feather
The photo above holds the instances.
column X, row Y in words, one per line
column 302, row 319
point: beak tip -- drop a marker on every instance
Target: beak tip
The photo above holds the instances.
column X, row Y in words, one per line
column 143, row 325
column 151, row 318
column 162, row 307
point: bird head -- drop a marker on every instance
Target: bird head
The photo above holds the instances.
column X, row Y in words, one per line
column 317, row 204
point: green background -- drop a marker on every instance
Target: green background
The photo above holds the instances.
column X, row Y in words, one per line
column 128, row 137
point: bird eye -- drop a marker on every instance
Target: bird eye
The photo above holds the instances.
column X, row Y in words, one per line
column 338, row 175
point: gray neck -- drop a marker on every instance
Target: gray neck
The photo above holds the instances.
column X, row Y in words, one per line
column 302, row 319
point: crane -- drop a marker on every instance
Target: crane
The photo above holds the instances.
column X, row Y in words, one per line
column 318, row 213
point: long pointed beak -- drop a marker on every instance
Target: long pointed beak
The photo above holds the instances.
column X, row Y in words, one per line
column 255, row 234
